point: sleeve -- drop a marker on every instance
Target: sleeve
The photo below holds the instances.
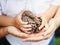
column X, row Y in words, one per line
column 55, row 2
column 0, row 8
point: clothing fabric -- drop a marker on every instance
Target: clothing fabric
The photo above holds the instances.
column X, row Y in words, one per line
column 52, row 42
column 13, row 7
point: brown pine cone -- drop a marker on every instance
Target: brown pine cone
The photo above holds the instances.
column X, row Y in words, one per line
column 34, row 21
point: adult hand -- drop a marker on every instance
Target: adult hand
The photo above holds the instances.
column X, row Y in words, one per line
column 45, row 20
column 38, row 36
column 52, row 26
column 35, row 37
column 16, row 32
column 45, row 33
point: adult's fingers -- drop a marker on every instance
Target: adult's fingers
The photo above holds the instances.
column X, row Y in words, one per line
column 51, row 27
column 46, row 26
column 42, row 25
column 48, row 36
column 16, row 32
column 33, row 39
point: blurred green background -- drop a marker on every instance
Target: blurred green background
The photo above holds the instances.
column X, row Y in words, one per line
column 57, row 41
column 57, row 37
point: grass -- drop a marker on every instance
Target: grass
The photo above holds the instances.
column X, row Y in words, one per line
column 57, row 41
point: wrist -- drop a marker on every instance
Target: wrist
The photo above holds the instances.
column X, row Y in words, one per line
column 57, row 21
column 44, row 17
column 14, row 23
column 3, row 31
column 6, row 30
column 48, row 17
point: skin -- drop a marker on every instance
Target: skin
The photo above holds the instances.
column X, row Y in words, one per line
column 13, row 31
column 52, row 25
column 55, row 21
column 46, row 16
column 9, row 21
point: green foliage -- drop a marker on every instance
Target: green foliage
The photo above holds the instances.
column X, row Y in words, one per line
column 57, row 41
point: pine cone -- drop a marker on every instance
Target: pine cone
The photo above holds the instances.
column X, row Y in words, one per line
column 34, row 21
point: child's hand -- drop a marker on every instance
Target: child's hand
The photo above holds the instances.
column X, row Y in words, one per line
column 24, row 26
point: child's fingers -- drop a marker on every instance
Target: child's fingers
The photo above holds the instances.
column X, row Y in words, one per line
column 25, row 30
column 27, row 26
column 19, row 18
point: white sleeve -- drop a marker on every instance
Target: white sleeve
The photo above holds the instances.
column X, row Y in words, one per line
column 55, row 2
column 0, row 8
